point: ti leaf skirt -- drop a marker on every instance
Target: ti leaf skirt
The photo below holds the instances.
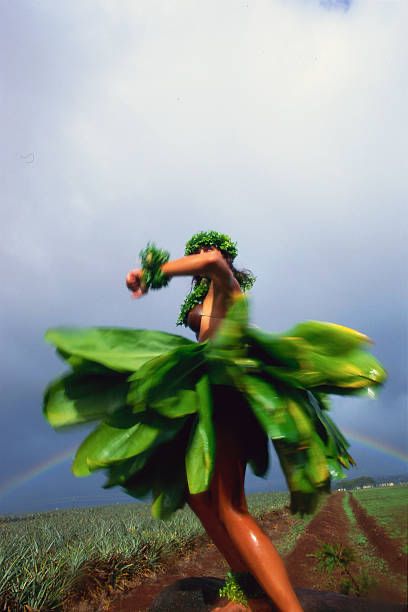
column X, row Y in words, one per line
column 156, row 397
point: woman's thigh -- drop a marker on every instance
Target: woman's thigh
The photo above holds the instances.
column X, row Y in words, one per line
column 227, row 484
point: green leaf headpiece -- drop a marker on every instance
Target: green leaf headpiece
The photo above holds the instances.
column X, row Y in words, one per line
column 211, row 239
column 201, row 286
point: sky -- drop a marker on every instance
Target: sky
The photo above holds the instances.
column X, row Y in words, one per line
column 280, row 122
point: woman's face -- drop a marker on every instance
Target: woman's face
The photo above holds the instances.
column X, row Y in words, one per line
column 205, row 249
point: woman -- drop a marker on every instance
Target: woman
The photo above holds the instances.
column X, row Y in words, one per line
column 181, row 420
column 222, row 509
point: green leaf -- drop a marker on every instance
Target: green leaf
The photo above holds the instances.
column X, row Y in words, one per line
column 269, row 407
column 200, row 456
column 170, row 497
column 181, row 404
column 80, row 398
column 81, row 365
column 328, row 338
column 123, row 350
column 231, row 329
column 275, row 349
column 336, row 440
column 120, row 472
column 316, row 466
column 318, row 355
column 163, row 475
column 293, row 462
column 166, row 375
column 349, row 373
column 259, row 459
column 111, row 443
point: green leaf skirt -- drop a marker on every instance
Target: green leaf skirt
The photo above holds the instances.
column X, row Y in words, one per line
column 157, row 397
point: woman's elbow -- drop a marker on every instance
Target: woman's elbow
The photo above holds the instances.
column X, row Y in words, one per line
column 214, row 259
column 215, row 266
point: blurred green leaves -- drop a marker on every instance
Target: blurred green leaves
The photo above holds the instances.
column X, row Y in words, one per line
column 152, row 394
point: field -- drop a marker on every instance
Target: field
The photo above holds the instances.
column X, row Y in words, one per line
column 68, row 560
column 389, row 510
column 47, row 557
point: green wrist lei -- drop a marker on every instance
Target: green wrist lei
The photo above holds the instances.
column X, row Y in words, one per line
column 152, row 260
column 239, row 586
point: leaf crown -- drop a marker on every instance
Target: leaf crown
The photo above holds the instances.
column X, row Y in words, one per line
column 201, row 286
column 220, row 241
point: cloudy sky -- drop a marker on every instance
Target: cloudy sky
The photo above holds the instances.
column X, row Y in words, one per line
column 281, row 122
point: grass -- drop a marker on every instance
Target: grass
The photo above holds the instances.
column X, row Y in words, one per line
column 48, row 557
column 368, row 563
column 364, row 550
column 388, row 506
column 260, row 504
column 287, row 542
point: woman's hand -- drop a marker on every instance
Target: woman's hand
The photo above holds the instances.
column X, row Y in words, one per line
column 134, row 282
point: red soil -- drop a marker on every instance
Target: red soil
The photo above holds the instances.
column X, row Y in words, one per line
column 330, row 525
column 203, row 560
column 388, row 549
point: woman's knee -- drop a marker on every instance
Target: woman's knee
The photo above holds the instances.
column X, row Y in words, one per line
column 230, row 513
column 199, row 502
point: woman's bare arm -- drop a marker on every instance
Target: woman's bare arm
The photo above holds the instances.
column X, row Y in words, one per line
column 210, row 264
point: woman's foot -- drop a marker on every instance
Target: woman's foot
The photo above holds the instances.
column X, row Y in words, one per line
column 230, row 606
column 254, row 605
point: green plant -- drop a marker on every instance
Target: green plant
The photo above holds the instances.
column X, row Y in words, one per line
column 361, row 540
column 365, row 583
column 387, row 505
column 332, row 556
column 232, row 591
column 49, row 558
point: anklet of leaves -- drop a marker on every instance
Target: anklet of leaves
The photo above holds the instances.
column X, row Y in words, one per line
column 241, row 586
column 232, row 590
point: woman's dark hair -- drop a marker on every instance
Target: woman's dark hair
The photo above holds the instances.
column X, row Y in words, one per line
column 245, row 277
column 201, row 284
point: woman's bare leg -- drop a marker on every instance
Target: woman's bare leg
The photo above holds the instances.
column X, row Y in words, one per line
column 253, row 545
column 202, row 505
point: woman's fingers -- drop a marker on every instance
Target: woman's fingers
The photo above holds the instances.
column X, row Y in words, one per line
column 133, row 280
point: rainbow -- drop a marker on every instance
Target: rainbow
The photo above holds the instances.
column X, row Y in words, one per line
column 41, row 468
column 375, row 444
column 65, row 455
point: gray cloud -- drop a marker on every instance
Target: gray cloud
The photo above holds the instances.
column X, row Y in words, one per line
column 280, row 123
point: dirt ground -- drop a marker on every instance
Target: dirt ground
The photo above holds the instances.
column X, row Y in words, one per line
column 330, row 525
column 389, row 549
column 203, row 560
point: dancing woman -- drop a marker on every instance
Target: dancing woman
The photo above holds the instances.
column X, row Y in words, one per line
column 181, row 420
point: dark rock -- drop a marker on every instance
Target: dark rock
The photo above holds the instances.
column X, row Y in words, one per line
column 201, row 595
column 325, row 601
column 188, row 594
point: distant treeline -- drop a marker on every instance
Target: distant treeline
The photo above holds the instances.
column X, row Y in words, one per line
column 364, row 481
